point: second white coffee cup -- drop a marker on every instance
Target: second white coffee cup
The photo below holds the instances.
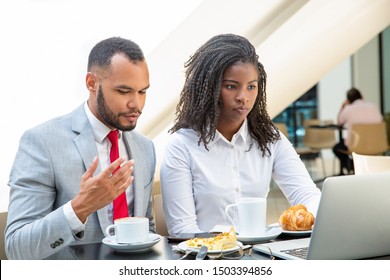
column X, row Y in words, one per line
column 129, row 230
column 251, row 216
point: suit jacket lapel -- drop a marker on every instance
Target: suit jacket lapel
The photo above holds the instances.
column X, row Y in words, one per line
column 88, row 152
column 134, row 153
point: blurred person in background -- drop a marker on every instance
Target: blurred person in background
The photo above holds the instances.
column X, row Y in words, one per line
column 354, row 110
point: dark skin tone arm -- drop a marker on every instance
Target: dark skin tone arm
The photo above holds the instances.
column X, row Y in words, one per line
column 96, row 192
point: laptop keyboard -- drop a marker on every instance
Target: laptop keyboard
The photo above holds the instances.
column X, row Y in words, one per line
column 297, row 252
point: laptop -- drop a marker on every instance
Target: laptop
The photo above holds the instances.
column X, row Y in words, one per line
column 353, row 222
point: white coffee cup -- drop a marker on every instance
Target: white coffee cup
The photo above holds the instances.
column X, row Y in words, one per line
column 129, row 230
column 251, row 216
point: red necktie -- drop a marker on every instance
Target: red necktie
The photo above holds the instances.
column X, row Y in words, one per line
column 120, row 203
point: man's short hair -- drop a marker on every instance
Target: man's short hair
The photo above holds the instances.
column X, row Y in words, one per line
column 102, row 53
column 353, row 94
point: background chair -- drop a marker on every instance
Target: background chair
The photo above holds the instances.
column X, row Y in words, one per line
column 368, row 139
column 319, row 135
column 282, row 128
column 365, row 164
column 158, row 211
column 3, row 223
column 159, row 217
column 156, row 188
column 386, row 118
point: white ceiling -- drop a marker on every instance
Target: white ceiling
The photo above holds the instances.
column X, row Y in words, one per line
column 298, row 43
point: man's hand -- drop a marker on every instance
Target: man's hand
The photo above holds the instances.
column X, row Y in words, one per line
column 345, row 103
column 96, row 192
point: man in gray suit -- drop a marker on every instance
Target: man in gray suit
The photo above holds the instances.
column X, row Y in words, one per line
column 62, row 183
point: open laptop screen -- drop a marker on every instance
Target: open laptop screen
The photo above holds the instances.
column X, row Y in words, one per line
column 353, row 220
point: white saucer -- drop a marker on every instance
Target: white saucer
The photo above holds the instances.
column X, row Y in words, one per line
column 271, row 233
column 292, row 232
column 137, row 247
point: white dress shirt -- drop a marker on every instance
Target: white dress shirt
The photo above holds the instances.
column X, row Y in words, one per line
column 197, row 184
column 103, row 146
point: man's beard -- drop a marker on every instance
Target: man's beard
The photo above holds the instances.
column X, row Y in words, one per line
column 108, row 116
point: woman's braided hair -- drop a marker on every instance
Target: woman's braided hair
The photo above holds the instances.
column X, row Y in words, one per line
column 200, row 103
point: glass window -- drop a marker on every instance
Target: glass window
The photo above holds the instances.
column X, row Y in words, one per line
column 293, row 116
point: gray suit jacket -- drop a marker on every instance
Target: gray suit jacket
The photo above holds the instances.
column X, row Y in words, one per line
column 46, row 174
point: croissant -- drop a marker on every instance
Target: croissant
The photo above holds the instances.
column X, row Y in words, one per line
column 296, row 218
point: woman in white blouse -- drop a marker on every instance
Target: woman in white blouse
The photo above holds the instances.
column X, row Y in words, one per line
column 223, row 144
